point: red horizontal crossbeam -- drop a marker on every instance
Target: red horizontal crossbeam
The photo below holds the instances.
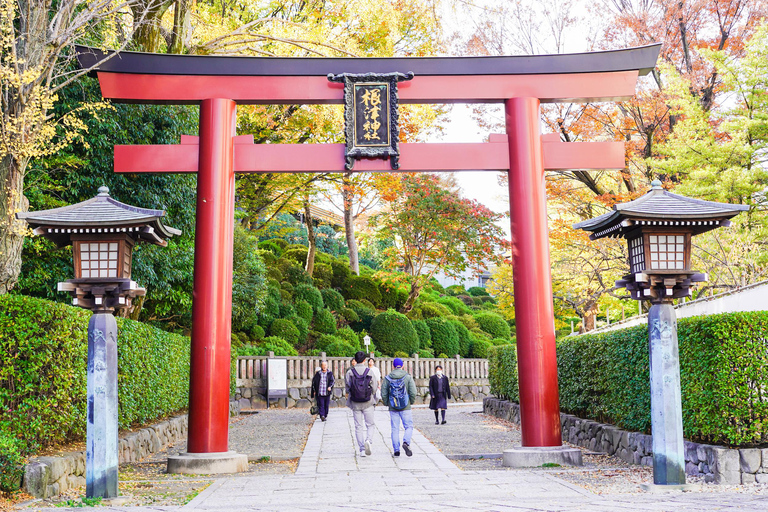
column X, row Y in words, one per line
column 191, row 89
column 330, row 157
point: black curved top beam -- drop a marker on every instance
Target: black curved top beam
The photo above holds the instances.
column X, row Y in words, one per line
column 642, row 58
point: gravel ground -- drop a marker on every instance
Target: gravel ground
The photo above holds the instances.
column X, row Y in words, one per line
column 468, row 431
column 146, row 482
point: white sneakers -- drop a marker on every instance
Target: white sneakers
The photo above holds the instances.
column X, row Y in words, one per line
column 362, row 453
column 367, row 447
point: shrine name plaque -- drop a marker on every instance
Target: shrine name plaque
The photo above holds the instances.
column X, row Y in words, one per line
column 371, row 116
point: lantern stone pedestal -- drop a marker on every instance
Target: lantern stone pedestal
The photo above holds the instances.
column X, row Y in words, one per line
column 666, row 404
column 537, row 456
column 101, row 431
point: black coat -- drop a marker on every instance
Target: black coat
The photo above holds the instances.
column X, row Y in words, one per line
column 439, row 399
column 316, row 383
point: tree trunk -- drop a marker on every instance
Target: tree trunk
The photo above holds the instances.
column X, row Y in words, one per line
column 181, row 26
column 412, row 296
column 12, row 230
column 310, row 267
column 349, row 224
column 148, row 16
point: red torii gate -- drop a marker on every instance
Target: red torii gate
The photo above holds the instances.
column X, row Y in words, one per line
column 218, row 84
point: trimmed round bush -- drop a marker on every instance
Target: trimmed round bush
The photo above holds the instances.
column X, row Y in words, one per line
column 392, row 296
column 426, row 353
column 433, row 309
column 322, row 274
column 348, row 335
column 444, row 337
column 480, row 348
column 310, row 294
column 465, row 339
column 271, row 304
column 349, row 315
column 358, row 287
column 467, row 300
column 285, row 329
column 274, row 273
column 256, row 332
column 285, row 285
column 401, row 354
column 279, row 242
column 468, row 321
column 493, row 323
column 304, row 310
column 332, row 299
column 279, row 346
column 425, row 338
column 364, row 313
column 298, row 255
column 268, row 257
column 325, row 322
column 341, row 272
column 265, row 320
column 270, row 246
column 295, row 274
column 286, row 295
column 456, row 306
column 286, row 310
column 477, row 291
column 455, row 290
column 392, row 331
column 499, row 341
column 340, row 348
column 303, row 327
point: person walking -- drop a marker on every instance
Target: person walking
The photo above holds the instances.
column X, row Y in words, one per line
column 375, row 370
column 399, row 391
column 360, row 384
column 440, row 392
column 322, row 385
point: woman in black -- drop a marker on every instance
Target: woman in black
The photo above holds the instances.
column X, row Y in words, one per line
column 440, row 391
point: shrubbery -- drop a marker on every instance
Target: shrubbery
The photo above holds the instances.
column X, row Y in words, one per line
column 278, row 346
column 480, row 348
column 310, row 294
column 433, row 310
column 325, row 322
column 502, row 372
column 444, row 337
column 425, row 338
column 332, row 299
column 494, row 324
column 43, row 393
column 477, row 291
column 304, row 310
column 723, row 368
column 359, row 288
column 285, row 329
column 392, row 332
column 465, row 341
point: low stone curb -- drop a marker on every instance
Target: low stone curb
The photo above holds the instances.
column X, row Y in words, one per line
column 714, row 463
column 49, row 476
column 474, row 456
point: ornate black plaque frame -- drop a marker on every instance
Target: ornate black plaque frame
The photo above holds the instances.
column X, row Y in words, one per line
column 353, row 151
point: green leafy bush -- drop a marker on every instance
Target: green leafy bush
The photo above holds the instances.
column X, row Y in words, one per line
column 502, row 372
column 257, row 333
column 444, row 337
column 433, row 310
column 268, row 257
column 465, row 340
column 310, row 294
column 286, row 310
column 43, row 393
column 359, row 287
column 274, row 344
column 426, row 353
column 392, row 332
column 455, row 290
column 723, row 367
column 322, row 275
column 332, row 299
column 499, row 341
column 285, row 329
column 265, row 320
column 334, row 346
column 349, row 315
column 364, row 313
column 282, row 244
column 425, row 338
column 303, row 327
column 480, row 348
column 493, row 323
column 466, row 299
column 297, row 255
column 275, row 274
column 295, row 274
column 11, row 463
column 341, row 273
column 325, row 322
column 349, row 336
column 392, row 297
column 304, row 310
column 271, row 246
column 455, row 305
column 477, row 291
column 401, row 354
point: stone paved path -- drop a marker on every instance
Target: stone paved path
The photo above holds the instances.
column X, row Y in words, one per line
column 331, row 476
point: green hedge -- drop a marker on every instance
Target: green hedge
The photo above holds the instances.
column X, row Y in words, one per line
column 444, row 337
column 358, row 288
column 723, row 370
column 393, row 332
column 502, row 371
column 43, row 349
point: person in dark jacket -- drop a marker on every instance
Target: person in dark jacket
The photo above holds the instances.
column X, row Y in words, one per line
column 322, row 385
column 440, row 392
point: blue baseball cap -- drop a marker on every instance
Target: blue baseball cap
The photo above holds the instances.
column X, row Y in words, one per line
column 397, row 363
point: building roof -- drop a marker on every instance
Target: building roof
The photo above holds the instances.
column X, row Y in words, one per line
column 661, row 207
column 100, row 214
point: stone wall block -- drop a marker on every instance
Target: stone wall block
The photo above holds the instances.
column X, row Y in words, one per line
column 761, row 478
column 703, row 468
column 726, row 467
column 751, row 459
column 691, row 468
column 691, row 452
column 702, row 452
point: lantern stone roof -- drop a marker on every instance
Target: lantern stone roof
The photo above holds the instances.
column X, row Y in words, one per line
column 100, row 214
column 660, row 207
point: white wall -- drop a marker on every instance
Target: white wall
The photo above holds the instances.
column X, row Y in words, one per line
column 750, row 298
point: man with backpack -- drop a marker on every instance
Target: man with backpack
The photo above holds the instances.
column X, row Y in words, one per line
column 399, row 391
column 360, row 384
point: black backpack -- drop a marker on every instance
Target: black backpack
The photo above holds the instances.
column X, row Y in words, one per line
column 360, row 386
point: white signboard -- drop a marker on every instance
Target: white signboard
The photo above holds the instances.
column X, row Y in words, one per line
column 277, row 377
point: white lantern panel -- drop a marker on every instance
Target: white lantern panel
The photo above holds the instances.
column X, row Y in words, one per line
column 86, row 273
column 113, row 246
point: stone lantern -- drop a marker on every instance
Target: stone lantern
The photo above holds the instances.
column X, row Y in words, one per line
column 658, row 227
column 102, row 232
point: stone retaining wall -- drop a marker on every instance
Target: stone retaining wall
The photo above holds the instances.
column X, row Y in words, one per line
column 715, row 463
column 254, row 397
column 49, row 476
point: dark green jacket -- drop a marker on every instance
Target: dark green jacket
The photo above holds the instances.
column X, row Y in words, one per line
column 410, row 385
